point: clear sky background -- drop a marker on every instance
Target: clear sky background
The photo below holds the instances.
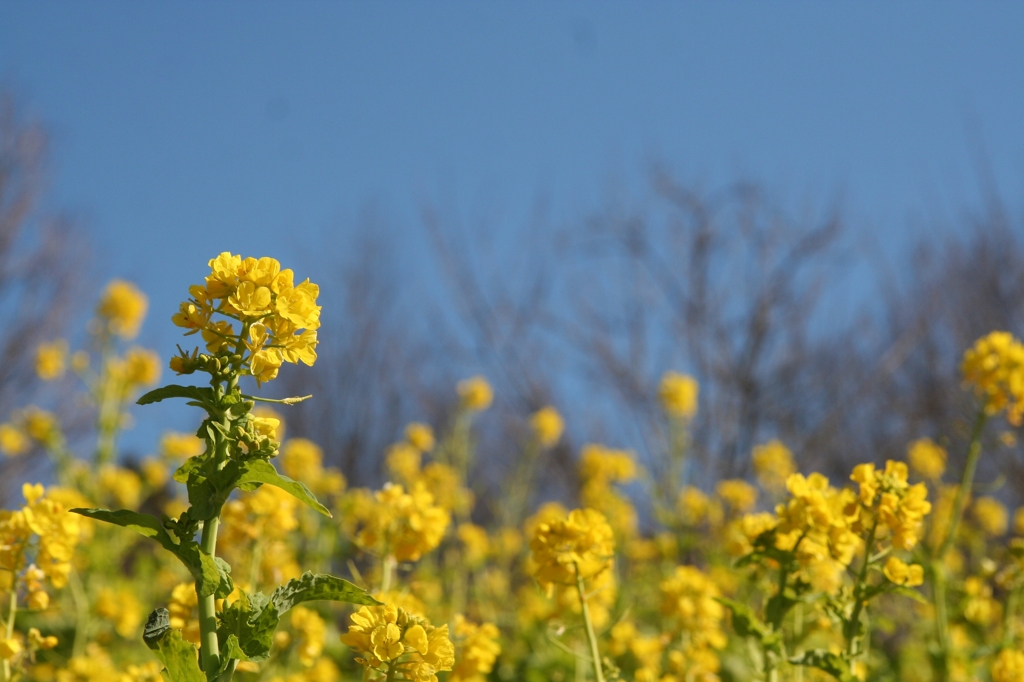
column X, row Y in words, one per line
column 184, row 129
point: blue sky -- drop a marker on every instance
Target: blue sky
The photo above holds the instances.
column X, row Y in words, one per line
column 184, row 129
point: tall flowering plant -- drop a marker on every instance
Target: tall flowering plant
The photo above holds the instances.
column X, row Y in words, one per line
column 253, row 318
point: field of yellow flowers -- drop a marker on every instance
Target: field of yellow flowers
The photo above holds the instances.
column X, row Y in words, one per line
column 219, row 557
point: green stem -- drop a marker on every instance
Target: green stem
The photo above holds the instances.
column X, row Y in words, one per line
column 595, row 653
column 12, row 610
column 387, row 569
column 858, row 606
column 962, row 493
column 1008, row 617
column 209, row 646
column 939, row 560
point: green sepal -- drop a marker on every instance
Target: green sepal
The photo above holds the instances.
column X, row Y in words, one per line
column 204, row 396
column 261, row 471
column 180, row 658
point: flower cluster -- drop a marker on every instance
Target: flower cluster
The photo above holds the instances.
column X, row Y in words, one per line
column 678, row 393
column 600, row 469
column 547, row 426
column 402, row 524
column 891, row 503
column 816, row 524
column 276, row 318
column 994, row 367
column 580, row 545
column 122, row 308
column 396, row 644
column 477, row 652
column 773, row 464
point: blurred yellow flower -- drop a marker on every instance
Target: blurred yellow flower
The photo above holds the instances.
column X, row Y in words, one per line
column 902, row 574
column 994, row 366
column 547, row 426
column 475, row 394
column 773, row 464
column 678, row 394
column 51, row 359
column 991, row 516
column 122, row 308
column 420, row 436
column 581, row 544
column 927, row 458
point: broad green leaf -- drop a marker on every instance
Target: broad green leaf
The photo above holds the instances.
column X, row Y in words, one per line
column 201, row 565
column 252, row 618
column 262, row 471
column 201, row 395
column 180, row 658
column 319, row 586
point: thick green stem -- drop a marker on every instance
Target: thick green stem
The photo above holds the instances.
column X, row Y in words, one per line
column 209, row 650
column 595, row 653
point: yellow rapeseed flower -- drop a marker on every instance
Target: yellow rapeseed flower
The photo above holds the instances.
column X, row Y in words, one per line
column 547, row 426
column 122, row 308
column 991, row 516
column 581, row 544
column 478, row 651
column 902, row 574
column 13, row 440
column 994, row 366
column 420, row 436
column 178, row 447
column 927, row 458
column 773, row 464
column 678, row 393
column 739, row 495
column 475, row 394
column 51, row 359
column 1008, row 666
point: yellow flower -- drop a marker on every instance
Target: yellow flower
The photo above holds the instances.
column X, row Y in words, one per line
column 475, row 394
column 301, row 459
column 927, row 458
column 182, row 606
column 773, row 464
column 420, row 436
column 547, row 426
column 994, row 366
column 678, row 393
column 478, row 652
column 689, row 598
column 390, row 635
column 739, row 495
column 311, row 629
column 1008, row 666
column 991, row 516
column 403, row 460
column 902, row 574
column 13, row 440
column 178, row 447
column 10, row 648
column 141, row 366
column 121, row 485
column 693, row 505
column 604, row 465
column 51, row 359
column 123, row 307
column 475, row 542
column 122, row 609
column 582, row 544
column 407, row 525
column 41, row 425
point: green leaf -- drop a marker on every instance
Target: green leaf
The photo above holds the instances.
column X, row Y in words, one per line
column 200, row 564
column 143, row 524
column 745, row 621
column 252, row 619
column 319, row 586
column 225, row 585
column 201, row 395
column 262, row 471
column 834, row 664
column 180, row 658
column 909, row 592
